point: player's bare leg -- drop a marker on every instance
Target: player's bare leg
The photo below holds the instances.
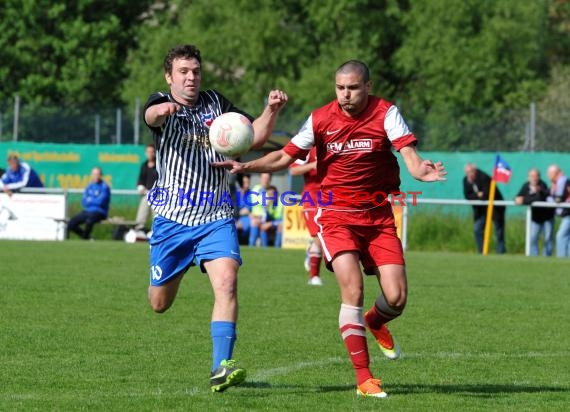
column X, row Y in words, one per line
column 161, row 297
column 223, row 278
column 349, row 277
column 351, row 322
column 388, row 305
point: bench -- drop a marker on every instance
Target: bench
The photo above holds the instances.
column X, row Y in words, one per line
column 118, row 221
column 121, row 226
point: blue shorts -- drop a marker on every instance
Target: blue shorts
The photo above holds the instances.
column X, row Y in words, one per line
column 175, row 247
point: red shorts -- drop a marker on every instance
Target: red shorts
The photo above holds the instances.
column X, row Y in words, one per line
column 371, row 233
column 309, row 215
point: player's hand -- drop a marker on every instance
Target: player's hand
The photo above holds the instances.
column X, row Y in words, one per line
column 166, row 109
column 156, row 115
column 232, row 165
column 432, row 172
column 276, row 100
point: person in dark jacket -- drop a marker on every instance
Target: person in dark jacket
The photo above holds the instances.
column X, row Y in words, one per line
column 476, row 184
column 145, row 183
column 542, row 218
column 96, row 199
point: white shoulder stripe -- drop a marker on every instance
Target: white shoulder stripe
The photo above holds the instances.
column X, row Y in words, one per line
column 394, row 124
column 305, row 139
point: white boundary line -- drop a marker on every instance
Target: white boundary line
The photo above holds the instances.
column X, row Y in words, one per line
column 286, row 370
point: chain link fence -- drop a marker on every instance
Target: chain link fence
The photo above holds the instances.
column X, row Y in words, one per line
column 89, row 125
column 536, row 128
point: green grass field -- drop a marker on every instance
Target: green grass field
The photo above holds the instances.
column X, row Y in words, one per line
column 76, row 333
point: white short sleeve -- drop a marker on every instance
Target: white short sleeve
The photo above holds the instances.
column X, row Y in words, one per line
column 305, row 139
column 395, row 125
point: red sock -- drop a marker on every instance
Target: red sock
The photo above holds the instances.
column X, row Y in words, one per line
column 373, row 318
column 354, row 335
column 315, row 263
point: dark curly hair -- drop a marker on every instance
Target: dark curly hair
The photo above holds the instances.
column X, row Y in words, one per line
column 184, row 51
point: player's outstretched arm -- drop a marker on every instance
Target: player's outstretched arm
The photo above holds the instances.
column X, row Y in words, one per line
column 302, row 169
column 156, row 115
column 424, row 170
column 263, row 125
column 271, row 162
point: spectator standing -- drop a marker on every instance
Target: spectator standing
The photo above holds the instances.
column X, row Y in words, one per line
column 258, row 201
column 273, row 219
column 542, row 218
column 559, row 193
column 476, row 184
column 242, row 205
column 147, row 178
column 95, row 202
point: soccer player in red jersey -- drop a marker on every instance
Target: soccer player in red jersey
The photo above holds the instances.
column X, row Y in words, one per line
column 309, row 199
column 354, row 136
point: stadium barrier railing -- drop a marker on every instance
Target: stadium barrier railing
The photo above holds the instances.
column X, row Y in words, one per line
column 405, row 218
column 464, row 202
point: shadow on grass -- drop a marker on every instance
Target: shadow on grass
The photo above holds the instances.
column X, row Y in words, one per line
column 296, row 387
column 473, row 389
column 404, row 389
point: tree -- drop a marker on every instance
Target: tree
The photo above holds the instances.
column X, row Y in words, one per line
column 65, row 53
column 250, row 47
column 466, row 61
column 553, row 113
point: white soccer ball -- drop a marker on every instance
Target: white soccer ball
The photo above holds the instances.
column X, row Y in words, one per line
column 231, row 134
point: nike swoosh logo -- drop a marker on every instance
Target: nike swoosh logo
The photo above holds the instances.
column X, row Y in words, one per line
column 356, row 353
column 329, row 132
column 234, row 253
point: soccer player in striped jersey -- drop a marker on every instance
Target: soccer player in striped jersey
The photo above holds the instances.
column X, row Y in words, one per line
column 354, row 136
column 194, row 223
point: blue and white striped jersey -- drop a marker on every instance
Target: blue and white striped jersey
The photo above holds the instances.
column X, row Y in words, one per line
column 188, row 189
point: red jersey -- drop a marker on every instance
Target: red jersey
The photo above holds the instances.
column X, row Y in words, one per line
column 356, row 166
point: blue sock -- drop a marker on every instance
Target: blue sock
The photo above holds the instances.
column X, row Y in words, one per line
column 253, row 233
column 264, row 239
column 223, row 339
column 278, row 239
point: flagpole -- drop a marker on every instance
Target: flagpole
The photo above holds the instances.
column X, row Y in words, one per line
column 489, row 220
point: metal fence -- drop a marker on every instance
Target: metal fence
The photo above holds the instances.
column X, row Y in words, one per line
column 536, row 128
column 93, row 125
column 406, row 219
column 462, row 202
